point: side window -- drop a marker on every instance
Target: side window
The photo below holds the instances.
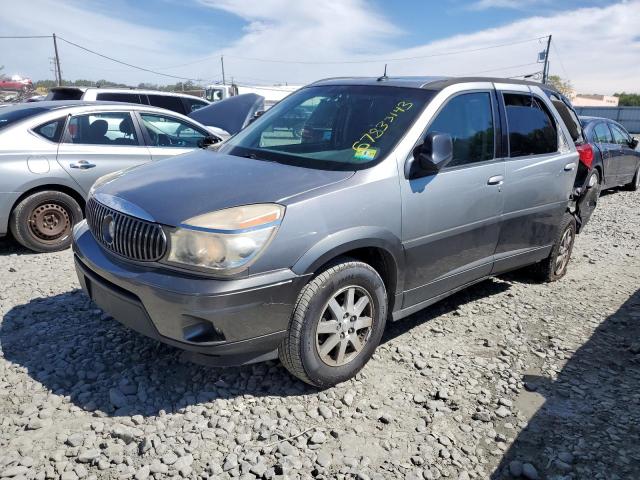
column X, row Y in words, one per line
column 119, row 97
column 112, row 128
column 569, row 117
column 619, row 136
column 167, row 101
column 468, row 118
column 532, row 130
column 52, row 130
column 166, row 131
column 602, row 134
column 193, row 105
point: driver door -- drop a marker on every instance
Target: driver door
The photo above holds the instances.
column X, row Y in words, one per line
column 168, row 136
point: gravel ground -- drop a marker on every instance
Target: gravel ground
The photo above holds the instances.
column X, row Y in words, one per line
column 508, row 379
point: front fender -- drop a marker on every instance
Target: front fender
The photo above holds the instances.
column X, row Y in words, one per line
column 350, row 239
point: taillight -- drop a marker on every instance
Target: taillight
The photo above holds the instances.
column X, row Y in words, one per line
column 586, row 154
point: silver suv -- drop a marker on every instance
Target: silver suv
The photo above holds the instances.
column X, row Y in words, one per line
column 352, row 202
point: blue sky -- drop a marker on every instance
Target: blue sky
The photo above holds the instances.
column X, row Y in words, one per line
column 186, row 37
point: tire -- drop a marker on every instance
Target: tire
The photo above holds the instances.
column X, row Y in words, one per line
column 548, row 269
column 635, row 183
column 43, row 222
column 301, row 351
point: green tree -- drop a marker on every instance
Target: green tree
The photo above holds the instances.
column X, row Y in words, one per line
column 560, row 84
column 628, row 99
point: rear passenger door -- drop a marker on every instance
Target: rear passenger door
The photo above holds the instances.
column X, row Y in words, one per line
column 168, row 136
column 450, row 220
column 94, row 144
column 540, row 173
column 603, row 139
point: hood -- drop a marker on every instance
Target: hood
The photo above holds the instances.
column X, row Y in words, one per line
column 176, row 189
column 231, row 114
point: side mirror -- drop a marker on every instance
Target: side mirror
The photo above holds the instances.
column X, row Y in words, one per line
column 634, row 143
column 207, row 141
column 255, row 116
column 435, row 153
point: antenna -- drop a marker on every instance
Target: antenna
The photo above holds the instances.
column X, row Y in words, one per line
column 384, row 75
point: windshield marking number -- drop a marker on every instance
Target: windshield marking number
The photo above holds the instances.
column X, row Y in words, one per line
column 370, row 137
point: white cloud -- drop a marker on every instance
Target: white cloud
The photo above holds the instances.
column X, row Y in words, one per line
column 596, row 48
column 82, row 24
column 599, row 48
column 512, row 4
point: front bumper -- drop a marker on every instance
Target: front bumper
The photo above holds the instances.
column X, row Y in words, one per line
column 232, row 322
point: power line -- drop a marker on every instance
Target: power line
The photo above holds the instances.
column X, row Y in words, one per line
column 499, row 69
column 346, row 62
column 25, row 36
column 127, row 64
column 388, row 60
column 555, row 49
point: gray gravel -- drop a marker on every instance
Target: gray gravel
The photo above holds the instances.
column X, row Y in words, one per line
column 508, row 379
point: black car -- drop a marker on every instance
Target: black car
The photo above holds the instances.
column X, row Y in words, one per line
column 616, row 156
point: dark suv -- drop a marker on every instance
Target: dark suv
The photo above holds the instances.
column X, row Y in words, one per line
column 303, row 241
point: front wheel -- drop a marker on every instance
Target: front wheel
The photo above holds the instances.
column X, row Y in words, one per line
column 555, row 265
column 336, row 325
column 43, row 221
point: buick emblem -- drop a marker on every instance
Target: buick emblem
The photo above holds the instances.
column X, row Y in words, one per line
column 108, row 229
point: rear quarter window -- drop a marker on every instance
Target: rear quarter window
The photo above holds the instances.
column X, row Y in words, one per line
column 52, row 130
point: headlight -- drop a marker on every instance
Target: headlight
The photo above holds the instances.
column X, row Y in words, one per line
column 226, row 241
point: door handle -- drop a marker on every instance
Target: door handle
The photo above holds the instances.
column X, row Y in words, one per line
column 496, row 180
column 82, row 165
column 569, row 166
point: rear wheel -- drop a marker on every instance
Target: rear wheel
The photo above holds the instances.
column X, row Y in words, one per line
column 555, row 265
column 336, row 325
column 43, row 221
column 635, row 183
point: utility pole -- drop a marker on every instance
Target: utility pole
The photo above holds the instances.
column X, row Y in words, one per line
column 58, row 72
column 545, row 71
column 222, row 63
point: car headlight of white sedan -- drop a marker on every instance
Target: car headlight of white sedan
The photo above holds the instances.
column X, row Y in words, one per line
column 225, row 241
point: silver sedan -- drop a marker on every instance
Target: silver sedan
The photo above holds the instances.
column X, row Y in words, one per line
column 51, row 153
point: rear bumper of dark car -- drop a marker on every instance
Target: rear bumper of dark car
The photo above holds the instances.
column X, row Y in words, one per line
column 231, row 322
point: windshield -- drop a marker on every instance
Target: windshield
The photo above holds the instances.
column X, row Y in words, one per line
column 9, row 115
column 336, row 127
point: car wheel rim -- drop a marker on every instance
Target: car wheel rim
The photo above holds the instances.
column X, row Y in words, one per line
column 564, row 251
column 345, row 326
column 49, row 222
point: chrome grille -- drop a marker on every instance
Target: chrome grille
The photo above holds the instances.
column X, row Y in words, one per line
column 129, row 236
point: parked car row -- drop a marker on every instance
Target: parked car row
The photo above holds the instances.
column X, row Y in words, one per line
column 350, row 203
column 52, row 152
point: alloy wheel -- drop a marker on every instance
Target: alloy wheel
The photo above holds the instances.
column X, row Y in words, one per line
column 564, row 251
column 345, row 326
